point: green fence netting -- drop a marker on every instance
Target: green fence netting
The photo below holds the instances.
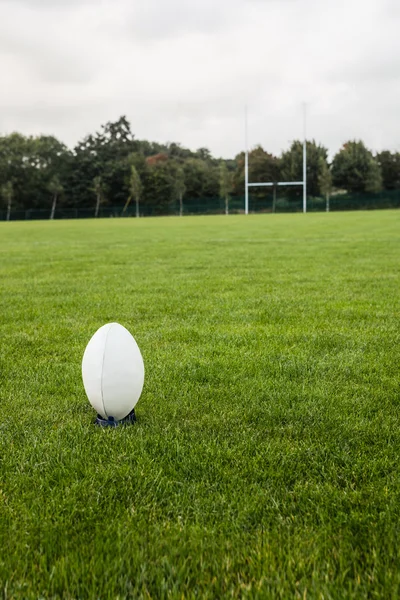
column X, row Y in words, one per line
column 265, row 203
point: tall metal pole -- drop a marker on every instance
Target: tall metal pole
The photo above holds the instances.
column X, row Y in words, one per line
column 305, row 159
column 246, row 165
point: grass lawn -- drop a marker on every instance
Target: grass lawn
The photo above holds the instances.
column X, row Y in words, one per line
column 265, row 460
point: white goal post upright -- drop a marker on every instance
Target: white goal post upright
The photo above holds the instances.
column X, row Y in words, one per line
column 246, row 165
column 303, row 183
column 304, row 158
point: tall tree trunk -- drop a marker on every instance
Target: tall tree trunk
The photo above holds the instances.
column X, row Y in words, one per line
column 127, row 203
column 274, row 199
column 96, row 212
column 53, row 208
column 8, row 209
column 227, row 204
column 180, row 205
column 327, row 203
column 137, row 206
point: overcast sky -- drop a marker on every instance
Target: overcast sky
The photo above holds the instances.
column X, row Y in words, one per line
column 183, row 70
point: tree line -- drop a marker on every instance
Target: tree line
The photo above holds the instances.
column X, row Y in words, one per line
column 113, row 168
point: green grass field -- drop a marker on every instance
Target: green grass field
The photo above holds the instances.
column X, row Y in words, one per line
column 265, row 459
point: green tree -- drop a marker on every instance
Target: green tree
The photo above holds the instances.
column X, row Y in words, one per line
column 56, row 189
column 135, row 190
column 325, row 180
column 31, row 163
column 204, row 154
column 263, row 168
column 225, row 185
column 373, row 182
column 292, row 165
column 107, row 153
column 7, row 193
column 98, row 189
column 180, row 188
column 147, row 148
column 176, row 151
column 49, row 167
column 16, row 167
column 115, row 145
column 201, row 179
column 389, row 163
column 355, row 169
column 161, row 187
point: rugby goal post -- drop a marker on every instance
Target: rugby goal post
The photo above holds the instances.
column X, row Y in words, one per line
column 276, row 183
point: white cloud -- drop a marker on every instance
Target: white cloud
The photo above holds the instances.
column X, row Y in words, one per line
column 183, row 70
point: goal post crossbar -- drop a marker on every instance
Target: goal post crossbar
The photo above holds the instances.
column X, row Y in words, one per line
column 271, row 184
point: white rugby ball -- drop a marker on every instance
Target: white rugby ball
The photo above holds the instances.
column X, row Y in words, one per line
column 113, row 371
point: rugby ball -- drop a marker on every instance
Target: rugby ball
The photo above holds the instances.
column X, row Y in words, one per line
column 113, row 371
